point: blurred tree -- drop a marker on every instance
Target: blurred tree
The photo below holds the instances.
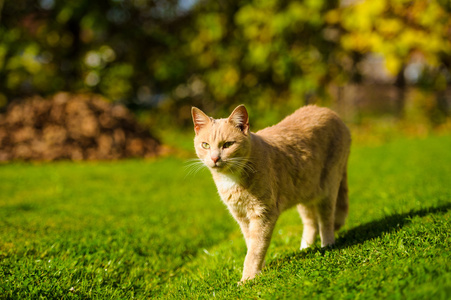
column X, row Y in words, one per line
column 217, row 54
column 112, row 47
column 267, row 52
column 413, row 38
column 402, row 32
column 262, row 52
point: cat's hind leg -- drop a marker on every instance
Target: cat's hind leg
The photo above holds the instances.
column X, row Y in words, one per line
column 326, row 221
column 310, row 222
column 342, row 206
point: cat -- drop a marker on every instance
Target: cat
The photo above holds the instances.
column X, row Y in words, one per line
column 300, row 161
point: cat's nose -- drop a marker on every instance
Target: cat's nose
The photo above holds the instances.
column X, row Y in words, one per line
column 215, row 159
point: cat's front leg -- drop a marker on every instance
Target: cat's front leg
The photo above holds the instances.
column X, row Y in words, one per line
column 258, row 239
column 244, row 225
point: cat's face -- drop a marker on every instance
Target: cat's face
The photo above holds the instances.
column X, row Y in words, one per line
column 222, row 145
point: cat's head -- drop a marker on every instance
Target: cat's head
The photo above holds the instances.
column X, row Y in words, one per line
column 222, row 144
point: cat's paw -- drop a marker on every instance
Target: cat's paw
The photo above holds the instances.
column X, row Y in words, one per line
column 243, row 282
column 328, row 246
column 246, row 278
column 304, row 245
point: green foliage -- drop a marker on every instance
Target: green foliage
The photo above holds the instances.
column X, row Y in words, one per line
column 217, row 54
column 145, row 229
column 100, row 46
column 265, row 52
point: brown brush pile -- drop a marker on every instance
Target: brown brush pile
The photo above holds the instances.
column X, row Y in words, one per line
column 74, row 127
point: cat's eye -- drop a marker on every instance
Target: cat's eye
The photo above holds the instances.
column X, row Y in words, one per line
column 227, row 144
column 205, row 145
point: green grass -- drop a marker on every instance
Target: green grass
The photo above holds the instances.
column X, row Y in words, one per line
column 143, row 229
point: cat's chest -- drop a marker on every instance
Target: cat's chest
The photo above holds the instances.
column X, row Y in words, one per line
column 227, row 183
column 238, row 199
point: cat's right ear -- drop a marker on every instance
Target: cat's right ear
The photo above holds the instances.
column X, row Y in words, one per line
column 200, row 119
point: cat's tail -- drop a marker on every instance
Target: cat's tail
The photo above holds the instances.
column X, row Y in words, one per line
column 342, row 206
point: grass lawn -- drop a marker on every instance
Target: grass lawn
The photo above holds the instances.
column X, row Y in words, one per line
column 143, row 229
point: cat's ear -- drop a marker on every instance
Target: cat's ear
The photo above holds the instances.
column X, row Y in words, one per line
column 200, row 119
column 240, row 118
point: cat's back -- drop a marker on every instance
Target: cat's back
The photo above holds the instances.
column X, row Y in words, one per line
column 308, row 124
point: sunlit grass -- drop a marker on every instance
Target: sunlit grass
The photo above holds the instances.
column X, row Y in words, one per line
column 145, row 229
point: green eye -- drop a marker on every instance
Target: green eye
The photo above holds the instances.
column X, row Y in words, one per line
column 228, row 144
column 205, row 145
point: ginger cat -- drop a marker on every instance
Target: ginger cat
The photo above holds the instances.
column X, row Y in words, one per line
column 300, row 161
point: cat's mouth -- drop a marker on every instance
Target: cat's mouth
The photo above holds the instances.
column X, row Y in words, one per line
column 218, row 166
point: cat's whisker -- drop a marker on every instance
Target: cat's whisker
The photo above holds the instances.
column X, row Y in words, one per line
column 192, row 162
column 241, row 164
column 193, row 166
column 246, row 164
column 193, row 171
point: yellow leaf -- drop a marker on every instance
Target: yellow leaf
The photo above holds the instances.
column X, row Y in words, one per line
column 393, row 64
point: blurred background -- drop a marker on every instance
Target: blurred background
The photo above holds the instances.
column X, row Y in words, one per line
column 385, row 66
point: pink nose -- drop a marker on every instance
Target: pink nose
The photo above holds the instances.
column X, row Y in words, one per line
column 214, row 158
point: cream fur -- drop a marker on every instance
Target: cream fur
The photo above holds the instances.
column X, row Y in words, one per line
column 302, row 161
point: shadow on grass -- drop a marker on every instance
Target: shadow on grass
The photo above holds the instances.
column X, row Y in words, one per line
column 366, row 232
column 387, row 224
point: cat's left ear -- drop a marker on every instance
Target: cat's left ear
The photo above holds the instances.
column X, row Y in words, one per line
column 200, row 119
column 240, row 118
